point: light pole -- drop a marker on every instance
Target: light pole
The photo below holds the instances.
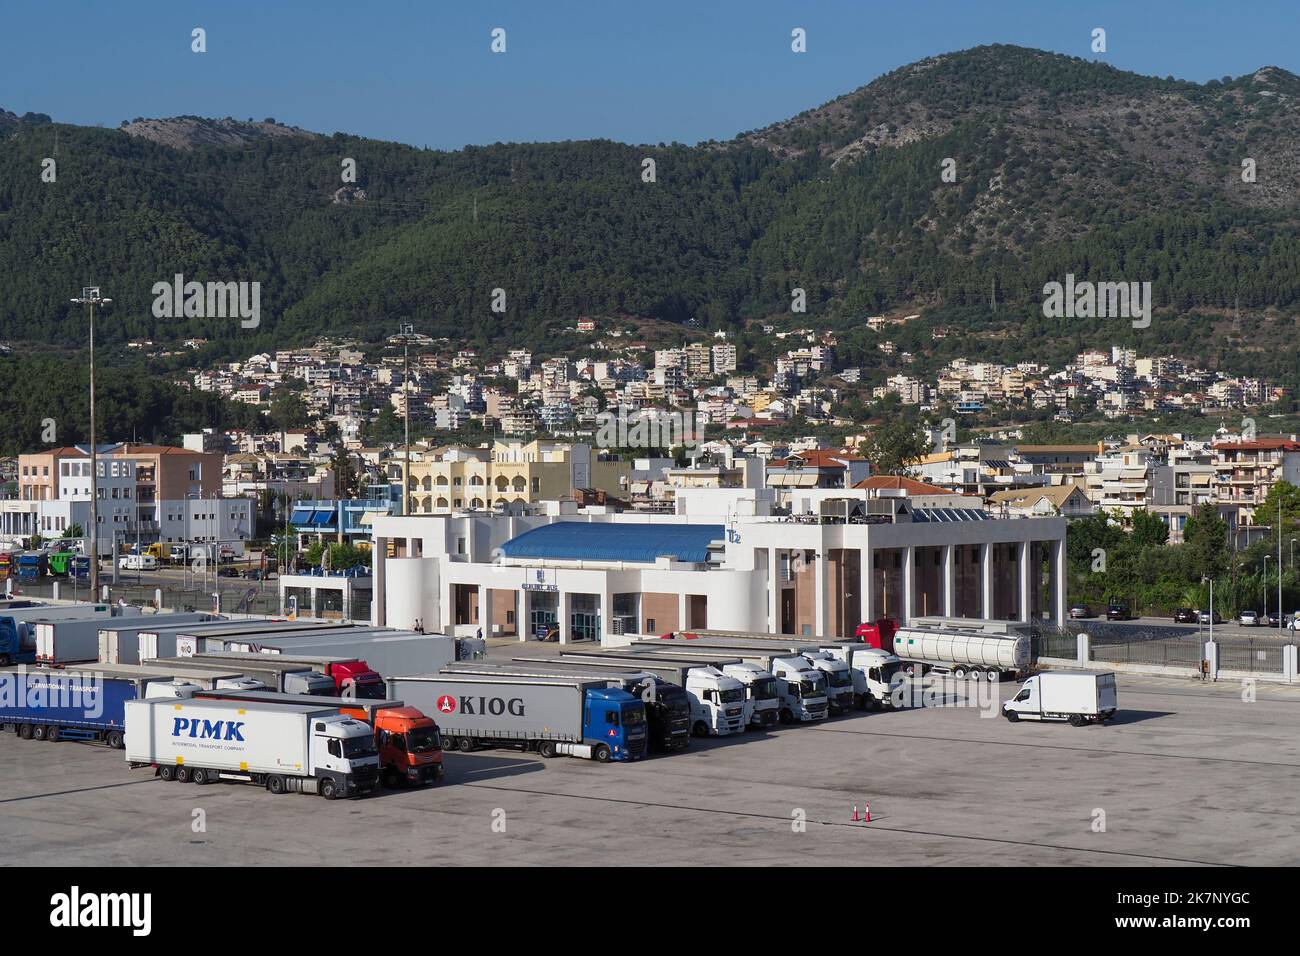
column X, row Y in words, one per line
column 1263, row 586
column 90, row 297
column 406, row 336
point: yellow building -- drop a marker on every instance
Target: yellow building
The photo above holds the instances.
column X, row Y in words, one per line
column 509, row 472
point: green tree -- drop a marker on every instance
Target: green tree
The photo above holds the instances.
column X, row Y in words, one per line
column 1205, row 539
column 893, row 447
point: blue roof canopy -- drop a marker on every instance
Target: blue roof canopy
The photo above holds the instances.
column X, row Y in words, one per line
column 644, row 543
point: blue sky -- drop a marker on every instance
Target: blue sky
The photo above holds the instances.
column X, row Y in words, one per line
column 644, row 72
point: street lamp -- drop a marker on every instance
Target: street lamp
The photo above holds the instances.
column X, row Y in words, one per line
column 405, row 337
column 90, row 297
column 1263, row 586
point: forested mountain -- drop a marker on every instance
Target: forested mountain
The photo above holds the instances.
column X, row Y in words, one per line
column 1062, row 165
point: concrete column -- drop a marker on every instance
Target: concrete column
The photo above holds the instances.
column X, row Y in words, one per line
column 566, row 616
column 1212, row 655
column 909, row 584
column 378, row 560
column 521, row 614
column 949, row 580
column 1083, row 648
column 821, row 609
column 867, row 602
column 1022, row 569
column 485, row 610
column 773, row 593
column 1058, row 582
column 55, row 595
column 986, row 581
column 682, row 605
column 606, row 613
column 347, row 600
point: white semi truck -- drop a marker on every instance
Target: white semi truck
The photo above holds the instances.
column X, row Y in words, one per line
column 1081, row 697
column 285, row 749
column 873, row 671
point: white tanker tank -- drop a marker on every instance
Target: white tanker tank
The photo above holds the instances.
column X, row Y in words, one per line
column 964, row 652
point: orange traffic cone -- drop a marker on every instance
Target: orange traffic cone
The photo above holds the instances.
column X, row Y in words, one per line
column 856, row 818
column 867, row 815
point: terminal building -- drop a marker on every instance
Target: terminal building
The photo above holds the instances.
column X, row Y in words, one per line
column 809, row 562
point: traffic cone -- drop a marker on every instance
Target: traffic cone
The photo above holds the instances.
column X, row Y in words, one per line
column 856, row 818
column 867, row 816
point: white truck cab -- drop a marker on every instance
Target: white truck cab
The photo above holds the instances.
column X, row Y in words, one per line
column 839, row 680
column 344, row 748
column 717, row 702
column 873, row 670
column 1081, row 697
column 762, row 697
column 802, row 688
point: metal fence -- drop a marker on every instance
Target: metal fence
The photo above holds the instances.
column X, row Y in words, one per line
column 1168, row 653
column 1255, row 657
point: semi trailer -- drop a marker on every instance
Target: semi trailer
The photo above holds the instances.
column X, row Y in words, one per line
column 277, row 676
column 18, row 627
column 874, row 673
column 390, row 652
column 717, row 701
column 668, row 709
column 974, row 652
column 286, row 749
column 801, row 688
column 87, row 703
column 408, row 741
column 551, row 715
column 1081, row 697
column 212, row 635
column 72, row 640
column 119, row 642
column 352, row 678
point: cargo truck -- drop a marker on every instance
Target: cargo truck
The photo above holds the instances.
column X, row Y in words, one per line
column 304, row 749
column 18, row 630
column 353, row 678
column 668, row 709
column 801, row 689
column 32, row 566
column 1081, row 697
column 408, row 741
column 281, row 677
column 87, row 703
column 119, row 643
column 717, row 701
column 551, row 716
column 390, row 652
column 211, row 635
column 762, row 697
column 874, row 673
column 71, row 640
column 975, row 652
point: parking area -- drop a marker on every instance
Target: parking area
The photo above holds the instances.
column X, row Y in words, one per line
column 1186, row 774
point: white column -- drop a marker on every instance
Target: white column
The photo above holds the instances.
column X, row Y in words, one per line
column 1058, row 583
column 986, row 581
column 566, row 616
column 378, row 560
column 822, row 611
column 949, row 565
column 909, row 584
column 347, row 599
column 682, row 623
column 521, row 614
column 773, row 593
column 485, row 610
column 1022, row 569
column 606, row 612
column 867, row 602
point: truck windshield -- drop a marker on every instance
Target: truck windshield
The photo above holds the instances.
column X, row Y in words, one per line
column 633, row 716
column 355, row 747
column 812, row 688
column 733, row 696
column 424, row 740
column 675, row 700
column 368, row 690
column 889, row 670
column 841, row 679
column 764, row 689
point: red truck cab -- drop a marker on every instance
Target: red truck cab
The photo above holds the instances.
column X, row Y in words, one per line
column 355, row 678
column 410, row 746
column 879, row 633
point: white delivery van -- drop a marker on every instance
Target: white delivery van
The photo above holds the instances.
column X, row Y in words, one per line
column 1081, row 697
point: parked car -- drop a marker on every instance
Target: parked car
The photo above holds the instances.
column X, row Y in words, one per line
column 1185, row 615
column 1204, row 618
column 1293, row 622
column 1117, row 612
column 1078, row 611
column 257, row 574
column 1248, row 619
column 227, row 571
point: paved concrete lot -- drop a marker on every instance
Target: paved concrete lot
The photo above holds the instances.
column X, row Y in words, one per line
column 1186, row 774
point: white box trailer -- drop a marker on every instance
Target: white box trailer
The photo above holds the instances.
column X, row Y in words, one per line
column 120, row 643
column 303, row 749
column 391, row 653
column 1081, row 697
column 281, row 677
column 75, row 640
column 211, row 635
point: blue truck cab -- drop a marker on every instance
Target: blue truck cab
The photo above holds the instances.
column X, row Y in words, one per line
column 617, row 720
column 17, row 640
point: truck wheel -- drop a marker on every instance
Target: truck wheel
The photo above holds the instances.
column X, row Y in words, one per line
column 602, row 754
column 389, row 778
column 183, row 774
column 1012, row 716
column 786, row 717
column 25, row 731
column 328, row 789
column 166, row 773
column 960, row 672
column 114, row 739
column 200, row 776
column 465, row 745
column 993, row 675
column 52, row 733
column 546, row 748
column 1077, row 720
column 275, row 783
column 701, row 729
column 870, row 703
column 38, row 732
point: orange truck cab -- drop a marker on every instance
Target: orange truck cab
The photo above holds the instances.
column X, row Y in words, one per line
column 409, row 742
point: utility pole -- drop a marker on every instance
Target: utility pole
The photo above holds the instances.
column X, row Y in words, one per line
column 90, row 297
column 406, row 336
column 1279, row 557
